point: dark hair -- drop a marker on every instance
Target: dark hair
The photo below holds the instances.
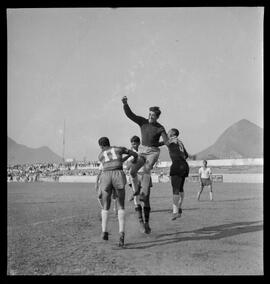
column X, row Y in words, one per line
column 135, row 139
column 205, row 161
column 156, row 110
column 104, row 141
column 175, row 131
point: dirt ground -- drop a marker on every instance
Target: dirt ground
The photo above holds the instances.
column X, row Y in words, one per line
column 55, row 229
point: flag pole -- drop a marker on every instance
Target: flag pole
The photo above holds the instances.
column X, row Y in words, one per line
column 63, row 155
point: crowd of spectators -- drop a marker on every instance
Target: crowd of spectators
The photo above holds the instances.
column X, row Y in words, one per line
column 37, row 171
column 52, row 171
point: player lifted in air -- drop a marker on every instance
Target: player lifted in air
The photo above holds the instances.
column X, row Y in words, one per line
column 149, row 151
column 205, row 176
column 179, row 170
column 140, row 210
column 113, row 176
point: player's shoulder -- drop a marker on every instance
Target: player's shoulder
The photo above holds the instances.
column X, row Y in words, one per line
column 160, row 127
column 120, row 148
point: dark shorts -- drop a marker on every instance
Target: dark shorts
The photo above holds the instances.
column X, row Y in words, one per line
column 206, row 181
column 110, row 180
column 178, row 183
column 179, row 168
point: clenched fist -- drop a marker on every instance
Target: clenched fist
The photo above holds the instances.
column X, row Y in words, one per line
column 124, row 100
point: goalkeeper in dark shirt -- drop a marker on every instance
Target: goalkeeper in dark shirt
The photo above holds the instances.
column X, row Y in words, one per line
column 149, row 151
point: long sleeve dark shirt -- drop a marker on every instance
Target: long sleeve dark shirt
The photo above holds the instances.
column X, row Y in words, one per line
column 150, row 132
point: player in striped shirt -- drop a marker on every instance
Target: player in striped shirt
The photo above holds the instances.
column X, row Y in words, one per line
column 113, row 176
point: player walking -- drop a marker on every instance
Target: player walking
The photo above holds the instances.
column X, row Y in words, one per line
column 205, row 176
column 151, row 131
column 113, row 176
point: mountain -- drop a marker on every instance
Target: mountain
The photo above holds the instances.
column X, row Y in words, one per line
column 20, row 154
column 243, row 139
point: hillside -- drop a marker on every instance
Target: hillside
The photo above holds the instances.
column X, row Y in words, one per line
column 243, row 139
column 20, row 154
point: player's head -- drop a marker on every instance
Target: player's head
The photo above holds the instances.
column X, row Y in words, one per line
column 154, row 113
column 173, row 132
column 104, row 142
column 135, row 142
column 205, row 163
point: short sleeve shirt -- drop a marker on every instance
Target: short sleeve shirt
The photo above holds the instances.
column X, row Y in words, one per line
column 205, row 172
column 111, row 158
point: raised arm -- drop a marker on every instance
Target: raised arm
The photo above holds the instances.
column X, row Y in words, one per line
column 137, row 119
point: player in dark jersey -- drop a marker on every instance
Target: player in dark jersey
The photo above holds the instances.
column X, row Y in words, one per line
column 113, row 176
column 151, row 131
column 179, row 170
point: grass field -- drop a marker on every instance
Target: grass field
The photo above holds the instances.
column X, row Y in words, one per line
column 54, row 229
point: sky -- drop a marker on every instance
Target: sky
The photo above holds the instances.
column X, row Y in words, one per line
column 202, row 66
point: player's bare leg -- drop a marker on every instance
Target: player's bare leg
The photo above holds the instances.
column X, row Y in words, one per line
column 134, row 174
column 115, row 207
column 121, row 216
column 114, row 200
column 100, row 202
column 106, row 199
column 176, row 198
column 145, row 182
column 211, row 192
column 199, row 193
column 182, row 194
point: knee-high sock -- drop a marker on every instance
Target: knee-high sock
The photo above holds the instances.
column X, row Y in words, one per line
column 181, row 199
column 114, row 204
column 176, row 198
column 104, row 218
column 146, row 211
column 138, row 209
column 136, row 200
column 211, row 195
column 146, row 182
column 121, row 220
column 135, row 183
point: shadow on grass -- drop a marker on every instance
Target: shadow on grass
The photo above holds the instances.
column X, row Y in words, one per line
column 205, row 233
column 170, row 210
column 237, row 199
